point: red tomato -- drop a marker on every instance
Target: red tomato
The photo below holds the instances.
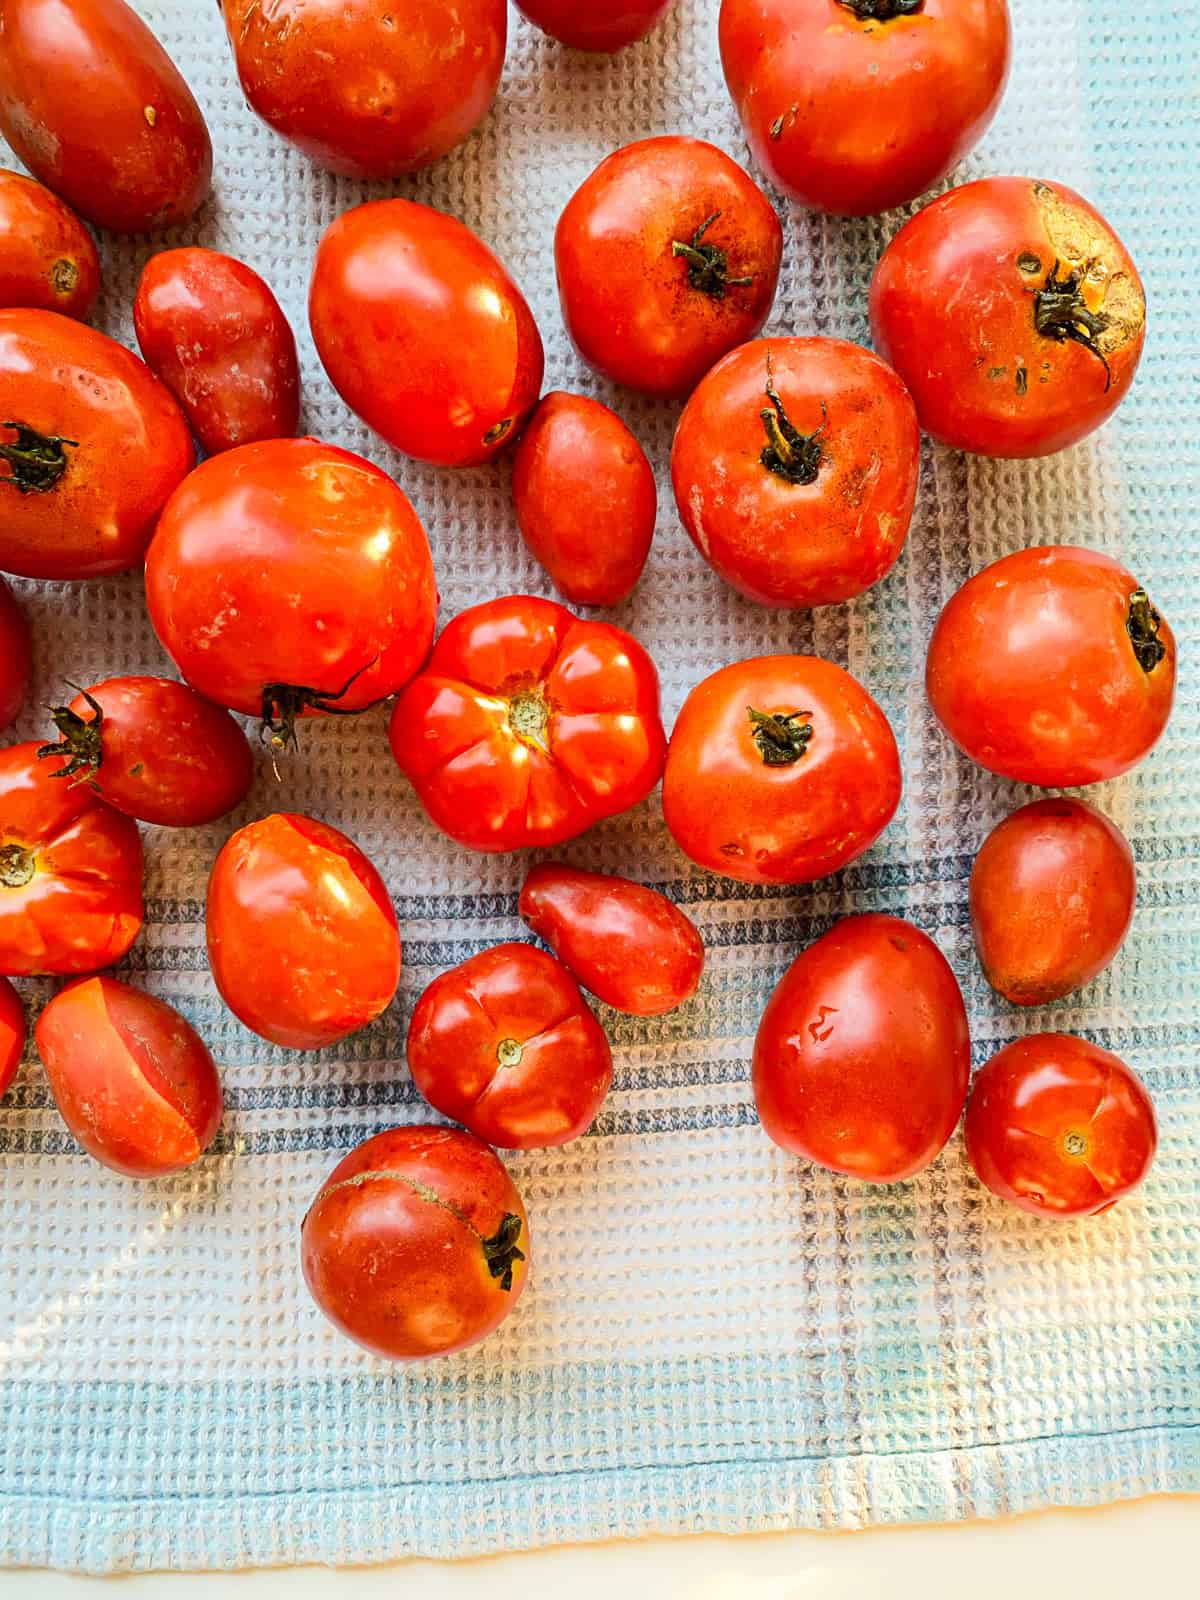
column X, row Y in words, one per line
column 95, row 108
column 528, row 725
column 1051, row 666
column 47, row 258
column 1059, row 1126
column 795, row 470
column 505, row 1044
column 628, row 944
column 417, row 1243
column 863, row 1053
column 70, row 873
column 781, row 769
column 585, row 499
column 1013, row 313
column 133, row 1080
column 423, row 333
column 16, row 657
column 667, row 257
column 302, row 935
column 12, row 1033
column 605, row 25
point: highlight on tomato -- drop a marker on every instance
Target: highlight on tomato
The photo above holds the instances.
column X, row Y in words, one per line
column 12, row 1034
column 48, row 259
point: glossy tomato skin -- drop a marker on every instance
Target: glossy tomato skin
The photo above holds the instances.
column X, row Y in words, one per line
column 863, row 1054
column 803, row 499
column 781, row 769
column 1053, row 667
column 16, row 657
column 1059, row 1126
column 1013, row 313
column 651, row 253
column 48, row 259
column 96, row 109
column 423, row 333
column 12, row 1034
column 603, row 25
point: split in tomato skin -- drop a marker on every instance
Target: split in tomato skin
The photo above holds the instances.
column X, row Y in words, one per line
column 605, row 26
column 12, row 1035
column 16, row 657
column 48, row 259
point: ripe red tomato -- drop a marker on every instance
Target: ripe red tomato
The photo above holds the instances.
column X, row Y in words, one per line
column 585, row 498
column 12, row 1033
column 628, row 944
column 95, row 108
column 47, row 258
column 70, row 873
column 1051, row 666
column 667, row 257
column 604, row 25
column 505, row 1044
column 781, row 769
column 16, row 657
column 417, row 1243
column 1059, row 1126
column 134, row 1081
column 863, row 1053
column 528, row 725
column 423, row 333
column 795, row 470
column 1013, row 313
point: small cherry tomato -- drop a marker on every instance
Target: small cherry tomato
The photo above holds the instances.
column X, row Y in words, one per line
column 134, row 1081
column 16, row 657
column 863, row 1054
column 1059, row 1126
column 12, row 1033
column 667, row 257
column 603, row 25
column 417, row 1243
column 48, row 260
column 1051, row 666
column 585, row 498
column 627, row 944
column 505, row 1044
column 528, row 725
column 781, row 769
column 423, row 333
column 1013, row 313
column 795, row 470
column 70, row 873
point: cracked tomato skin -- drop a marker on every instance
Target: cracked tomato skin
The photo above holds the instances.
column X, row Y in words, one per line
column 16, row 657
column 1059, row 1126
column 12, row 1034
column 1013, row 313
column 528, row 725
column 48, row 259
column 601, row 25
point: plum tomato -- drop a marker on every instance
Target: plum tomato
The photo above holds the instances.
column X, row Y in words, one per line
column 863, row 1054
column 16, row 657
column 667, row 258
column 1052, row 897
column 423, row 333
column 1013, row 313
column 795, row 469
column 1059, row 1126
column 600, row 25
column 1052, row 666
column 134, row 1081
column 528, row 725
column 48, row 260
column 12, row 1033
column 781, row 769
column 629, row 945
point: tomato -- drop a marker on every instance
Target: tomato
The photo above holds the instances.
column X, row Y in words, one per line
column 528, row 725
column 95, row 108
column 1013, row 313
column 604, row 25
column 70, row 873
column 1052, row 897
column 781, row 769
column 211, row 329
column 505, row 1044
column 1059, row 1126
column 423, row 333
column 290, row 577
column 369, row 88
column 417, row 1243
column 1051, row 666
column 16, row 657
column 628, row 944
column 667, row 257
column 47, row 258
column 863, row 1054
column 12, row 1033
column 585, row 498
column 302, row 935
column 795, row 470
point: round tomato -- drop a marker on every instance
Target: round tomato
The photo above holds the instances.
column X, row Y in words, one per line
column 781, row 769
column 528, row 725
column 1013, row 313
column 423, row 333
column 667, row 257
column 795, row 470
column 1059, row 1126
column 47, row 258
column 12, row 1033
column 1051, row 666
column 604, row 25
column 16, row 657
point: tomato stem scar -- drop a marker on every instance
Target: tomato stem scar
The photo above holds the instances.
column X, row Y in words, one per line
column 16, row 866
column 509, row 1052
column 708, row 264
column 881, row 10
column 781, row 736
column 38, row 460
column 81, row 743
column 1142, row 623
column 528, row 715
column 1075, row 1144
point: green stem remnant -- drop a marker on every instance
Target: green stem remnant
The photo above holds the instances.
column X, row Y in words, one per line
column 789, row 454
column 81, row 743
column 528, row 715
column 38, row 460
column 881, row 10
column 1060, row 313
column 708, row 264
column 781, row 736
column 282, row 703
column 1142, row 623
column 16, row 866
column 500, row 1251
